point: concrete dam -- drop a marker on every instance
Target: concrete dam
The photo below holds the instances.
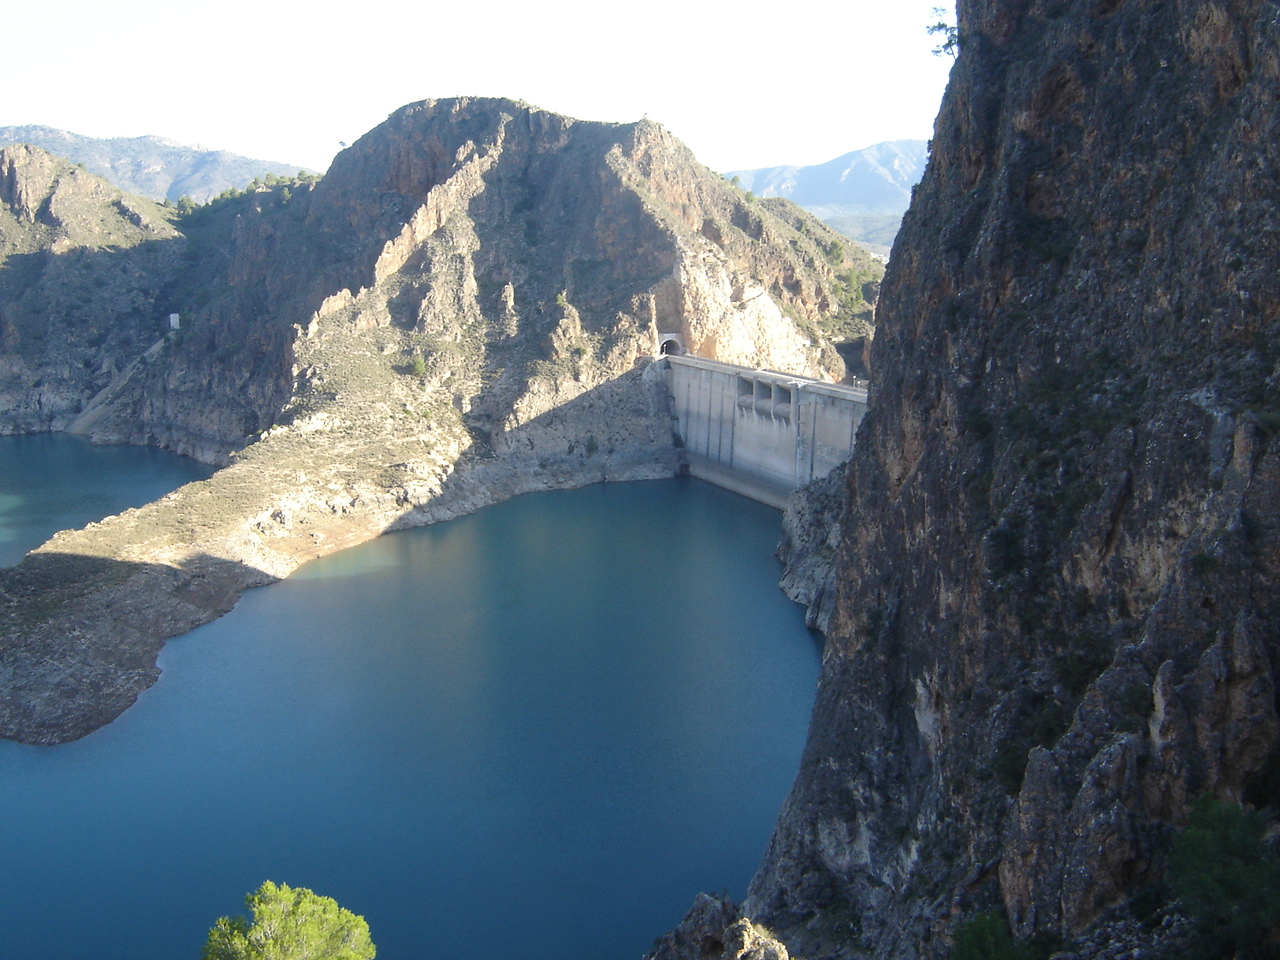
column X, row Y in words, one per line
column 759, row 433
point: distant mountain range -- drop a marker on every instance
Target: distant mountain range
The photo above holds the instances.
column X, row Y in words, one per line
column 862, row 194
column 151, row 166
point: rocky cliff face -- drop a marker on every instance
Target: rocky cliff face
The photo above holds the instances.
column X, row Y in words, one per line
column 1056, row 620
column 463, row 309
column 81, row 267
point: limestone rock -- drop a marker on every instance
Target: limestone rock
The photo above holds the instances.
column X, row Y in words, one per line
column 701, row 934
column 1055, row 620
column 748, row 941
column 714, row 929
column 811, row 528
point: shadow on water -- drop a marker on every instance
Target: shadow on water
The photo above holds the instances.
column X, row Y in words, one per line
column 70, row 620
column 53, row 481
column 79, row 635
column 536, row 731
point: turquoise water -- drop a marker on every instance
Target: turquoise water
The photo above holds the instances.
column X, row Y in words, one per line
column 51, row 482
column 534, row 732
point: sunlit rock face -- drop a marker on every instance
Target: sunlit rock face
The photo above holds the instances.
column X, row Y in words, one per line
column 1056, row 619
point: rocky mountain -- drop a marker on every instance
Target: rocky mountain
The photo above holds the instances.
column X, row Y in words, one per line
column 151, row 166
column 1051, row 600
column 862, row 194
column 464, row 308
column 81, row 267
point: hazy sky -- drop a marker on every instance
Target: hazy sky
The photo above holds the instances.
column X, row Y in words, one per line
column 796, row 82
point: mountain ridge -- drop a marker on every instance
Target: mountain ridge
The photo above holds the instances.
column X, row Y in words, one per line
column 863, row 193
column 151, row 166
column 874, row 179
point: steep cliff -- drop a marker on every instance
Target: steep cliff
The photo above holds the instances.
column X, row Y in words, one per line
column 81, row 267
column 1056, row 621
column 463, row 309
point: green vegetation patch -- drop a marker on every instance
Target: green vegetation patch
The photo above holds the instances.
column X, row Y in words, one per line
column 290, row 923
column 1228, row 880
column 986, row 936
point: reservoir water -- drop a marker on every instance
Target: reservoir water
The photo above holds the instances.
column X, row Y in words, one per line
column 53, row 481
column 533, row 732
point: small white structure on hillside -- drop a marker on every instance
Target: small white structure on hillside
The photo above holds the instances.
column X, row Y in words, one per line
column 175, row 322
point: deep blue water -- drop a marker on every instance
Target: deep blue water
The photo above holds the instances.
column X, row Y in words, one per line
column 534, row 732
column 51, row 482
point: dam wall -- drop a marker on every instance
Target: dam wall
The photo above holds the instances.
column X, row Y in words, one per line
column 760, row 433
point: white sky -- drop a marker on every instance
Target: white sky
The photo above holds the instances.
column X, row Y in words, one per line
column 800, row 82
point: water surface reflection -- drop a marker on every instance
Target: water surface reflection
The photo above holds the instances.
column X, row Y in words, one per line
column 533, row 732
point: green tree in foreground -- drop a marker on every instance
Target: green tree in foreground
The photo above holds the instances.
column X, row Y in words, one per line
column 290, row 923
column 1228, row 880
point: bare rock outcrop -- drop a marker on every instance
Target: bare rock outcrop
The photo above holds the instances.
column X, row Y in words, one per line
column 1056, row 620
column 713, row 929
column 811, row 534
